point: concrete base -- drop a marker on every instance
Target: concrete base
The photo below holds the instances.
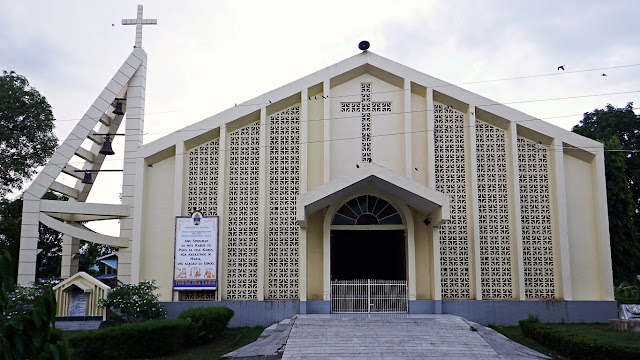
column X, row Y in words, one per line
column 265, row 313
column 625, row 325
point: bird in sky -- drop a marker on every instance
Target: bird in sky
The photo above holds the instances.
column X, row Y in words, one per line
column 603, row 74
column 113, row 24
column 561, row 67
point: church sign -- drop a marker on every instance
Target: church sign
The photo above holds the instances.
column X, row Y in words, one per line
column 196, row 253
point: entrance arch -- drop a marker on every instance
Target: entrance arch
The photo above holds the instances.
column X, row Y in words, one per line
column 368, row 256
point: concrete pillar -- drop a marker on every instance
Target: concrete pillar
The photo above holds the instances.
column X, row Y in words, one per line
column 473, row 229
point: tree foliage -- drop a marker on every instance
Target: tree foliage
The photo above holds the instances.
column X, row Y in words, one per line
column 619, row 129
column 27, row 330
column 135, row 302
column 26, row 131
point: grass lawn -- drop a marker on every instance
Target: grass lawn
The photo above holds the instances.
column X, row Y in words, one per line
column 231, row 339
column 514, row 333
column 600, row 333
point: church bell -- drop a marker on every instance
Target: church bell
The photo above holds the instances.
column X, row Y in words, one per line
column 106, row 145
column 87, row 178
column 118, row 109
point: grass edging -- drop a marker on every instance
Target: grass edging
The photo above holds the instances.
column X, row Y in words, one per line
column 575, row 346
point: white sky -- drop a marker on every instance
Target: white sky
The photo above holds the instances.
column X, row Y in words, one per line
column 204, row 56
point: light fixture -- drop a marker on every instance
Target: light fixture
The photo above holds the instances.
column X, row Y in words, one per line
column 118, row 109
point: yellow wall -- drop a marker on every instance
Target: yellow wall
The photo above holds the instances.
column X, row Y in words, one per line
column 424, row 244
column 157, row 245
column 419, row 138
column 314, row 256
column 585, row 277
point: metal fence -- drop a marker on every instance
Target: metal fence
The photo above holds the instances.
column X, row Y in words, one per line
column 367, row 296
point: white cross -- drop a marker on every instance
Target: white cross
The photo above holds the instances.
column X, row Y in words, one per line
column 366, row 107
column 138, row 23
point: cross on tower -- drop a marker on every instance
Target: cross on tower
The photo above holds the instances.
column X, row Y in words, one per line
column 138, row 23
column 366, row 107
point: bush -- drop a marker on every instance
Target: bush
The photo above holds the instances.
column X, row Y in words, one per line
column 205, row 323
column 575, row 346
column 135, row 302
column 129, row 341
column 627, row 294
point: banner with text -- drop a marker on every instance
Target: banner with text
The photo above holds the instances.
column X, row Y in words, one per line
column 196, row 253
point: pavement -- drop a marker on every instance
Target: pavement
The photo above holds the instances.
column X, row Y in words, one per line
column 381, row 336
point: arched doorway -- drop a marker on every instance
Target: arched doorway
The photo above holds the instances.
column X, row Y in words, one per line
column 368, row 257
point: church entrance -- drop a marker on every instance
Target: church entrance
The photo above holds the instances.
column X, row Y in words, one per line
column 368, row 258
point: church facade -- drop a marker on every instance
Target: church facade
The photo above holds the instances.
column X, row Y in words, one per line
column 366, row 173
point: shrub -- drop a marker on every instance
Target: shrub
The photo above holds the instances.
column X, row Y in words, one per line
column 627, row 294
column 127, row 341
column 27, row 323
column 575, row 347
column 135, row 302
column 205, row 323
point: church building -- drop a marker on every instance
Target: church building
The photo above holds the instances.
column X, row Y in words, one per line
column 365, row 187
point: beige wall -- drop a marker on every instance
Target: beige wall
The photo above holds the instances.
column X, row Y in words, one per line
column 315, row 148
column 419, row 138
column 387, row 129
column 157, row 245
column 314, row 256
column 583, row 244
column 424, row 251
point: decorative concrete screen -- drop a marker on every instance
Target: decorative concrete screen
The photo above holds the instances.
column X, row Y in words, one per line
column 493, row 213
column 242, row 213
column 283, row 191
column 451, row 180
column 202, row 193
column 537, row 241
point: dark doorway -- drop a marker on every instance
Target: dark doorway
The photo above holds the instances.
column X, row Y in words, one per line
column 368, row 254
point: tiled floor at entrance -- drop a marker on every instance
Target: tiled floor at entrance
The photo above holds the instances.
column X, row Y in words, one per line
column 380, row 336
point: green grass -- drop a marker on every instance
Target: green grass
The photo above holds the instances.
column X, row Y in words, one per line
column 600, row 333
column 514, row 333
column 231, row 339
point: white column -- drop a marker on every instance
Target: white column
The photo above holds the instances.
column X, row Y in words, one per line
column 133, row 140
column 561, row 256
column 302, row 235
column 326, row 144
column 408, row 158
column 68, row 260
column 262, row 208
column 29, row 239
column 473, row 227
column 602, row 225
column 178, row 178
column 431, row 142
column 515, row 217
column 137, row 211
column 223, row 152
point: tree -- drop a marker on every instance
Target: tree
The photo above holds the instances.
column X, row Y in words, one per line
column 50, row 241
column 26, row 125
column 619, row 129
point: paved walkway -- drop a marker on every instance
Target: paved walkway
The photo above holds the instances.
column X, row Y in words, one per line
column 382, row 336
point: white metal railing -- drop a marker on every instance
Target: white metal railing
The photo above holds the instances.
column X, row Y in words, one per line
column 366, row 296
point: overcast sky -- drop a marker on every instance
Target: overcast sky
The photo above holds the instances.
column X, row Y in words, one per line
column 204, row 56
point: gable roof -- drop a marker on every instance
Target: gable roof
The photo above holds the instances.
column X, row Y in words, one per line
column 368, row 62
